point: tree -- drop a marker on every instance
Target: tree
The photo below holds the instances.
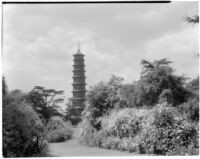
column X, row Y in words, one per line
column 45, row 101
column 157, row 76
column 193, row 86
column 101, row 99
column 22, row 129
column 192, row 19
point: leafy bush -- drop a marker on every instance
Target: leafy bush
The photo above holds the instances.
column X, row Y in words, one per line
column 59, row 135
column 161, row 130
column 124, row 123
column 118, row 130
column 127, row 144
column 110, row 143
column 101, row 99
column 87, row 133
column 58, row 130
column 166, row 132
column 23, row 132
column 190, row 109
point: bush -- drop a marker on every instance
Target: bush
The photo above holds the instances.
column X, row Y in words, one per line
column 118, row 130
column 110, row 143
column 190, row 109
column 87, row 133
column 127, row 144
column 166, row 132
column 59, row 135
column 23, row 132
column 161, row 130
column 58, row 130
column 124, row 123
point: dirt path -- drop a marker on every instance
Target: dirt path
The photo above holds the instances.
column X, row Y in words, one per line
column 73, row 148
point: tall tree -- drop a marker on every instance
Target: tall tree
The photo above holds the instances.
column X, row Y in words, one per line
column 45, row 101
column 192, row 19
column 157, row 76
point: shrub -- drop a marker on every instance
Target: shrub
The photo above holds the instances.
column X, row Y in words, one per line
column 118, row 130
column 23, row 132
column 58, row 130
column 165, row 132
column 55, row 122
column 127, row 144
column 87, row 134
column 124, row 123
column 161, row 130
column 110, row 143
column 190, row 109
column 59, row 135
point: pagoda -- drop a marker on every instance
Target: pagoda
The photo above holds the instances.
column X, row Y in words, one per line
column 79, row 91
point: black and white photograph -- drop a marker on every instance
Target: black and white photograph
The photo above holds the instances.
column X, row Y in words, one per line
column 100, row 78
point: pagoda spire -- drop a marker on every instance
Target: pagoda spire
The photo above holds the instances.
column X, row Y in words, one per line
column 78, row 45
column 79, row 48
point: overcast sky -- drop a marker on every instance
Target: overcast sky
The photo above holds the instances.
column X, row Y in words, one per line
column 40, row 39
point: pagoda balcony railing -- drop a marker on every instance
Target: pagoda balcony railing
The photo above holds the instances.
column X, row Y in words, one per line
column 78, row 74
column 78, row 77
column 77, row 70
column 78, row 64
column 78, row 83
column 79, row 90
column 78, row 60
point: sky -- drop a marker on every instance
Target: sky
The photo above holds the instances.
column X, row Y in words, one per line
column 39, row 41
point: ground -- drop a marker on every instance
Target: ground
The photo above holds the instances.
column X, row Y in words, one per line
column 72, row 148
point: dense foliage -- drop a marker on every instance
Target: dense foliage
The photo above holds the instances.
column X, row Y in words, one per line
column 23, row 131
column 45, row 102
column 58, row 130
column 25, row 117
column 167, row 132
column 161, row 130
column 156, row 77
column 102, row 98
column 158, row 114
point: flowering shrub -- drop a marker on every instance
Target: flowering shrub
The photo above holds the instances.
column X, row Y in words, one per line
column 59, row 135
column 161, row 130
column 110, row 143
column 190, row 109
column 58, row 130
column 127, row 144
column 166, row 132
column 124, row 123
column 87, row 133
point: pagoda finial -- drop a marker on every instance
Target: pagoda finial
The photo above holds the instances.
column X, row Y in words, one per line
column 78, row 45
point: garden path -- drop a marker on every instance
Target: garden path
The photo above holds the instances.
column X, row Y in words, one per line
column 72, row 148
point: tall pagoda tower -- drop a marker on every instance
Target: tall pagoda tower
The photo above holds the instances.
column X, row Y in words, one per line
column 79, row 91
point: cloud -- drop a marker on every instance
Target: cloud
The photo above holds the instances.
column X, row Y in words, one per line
column 180, row 47
column 39, row 41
